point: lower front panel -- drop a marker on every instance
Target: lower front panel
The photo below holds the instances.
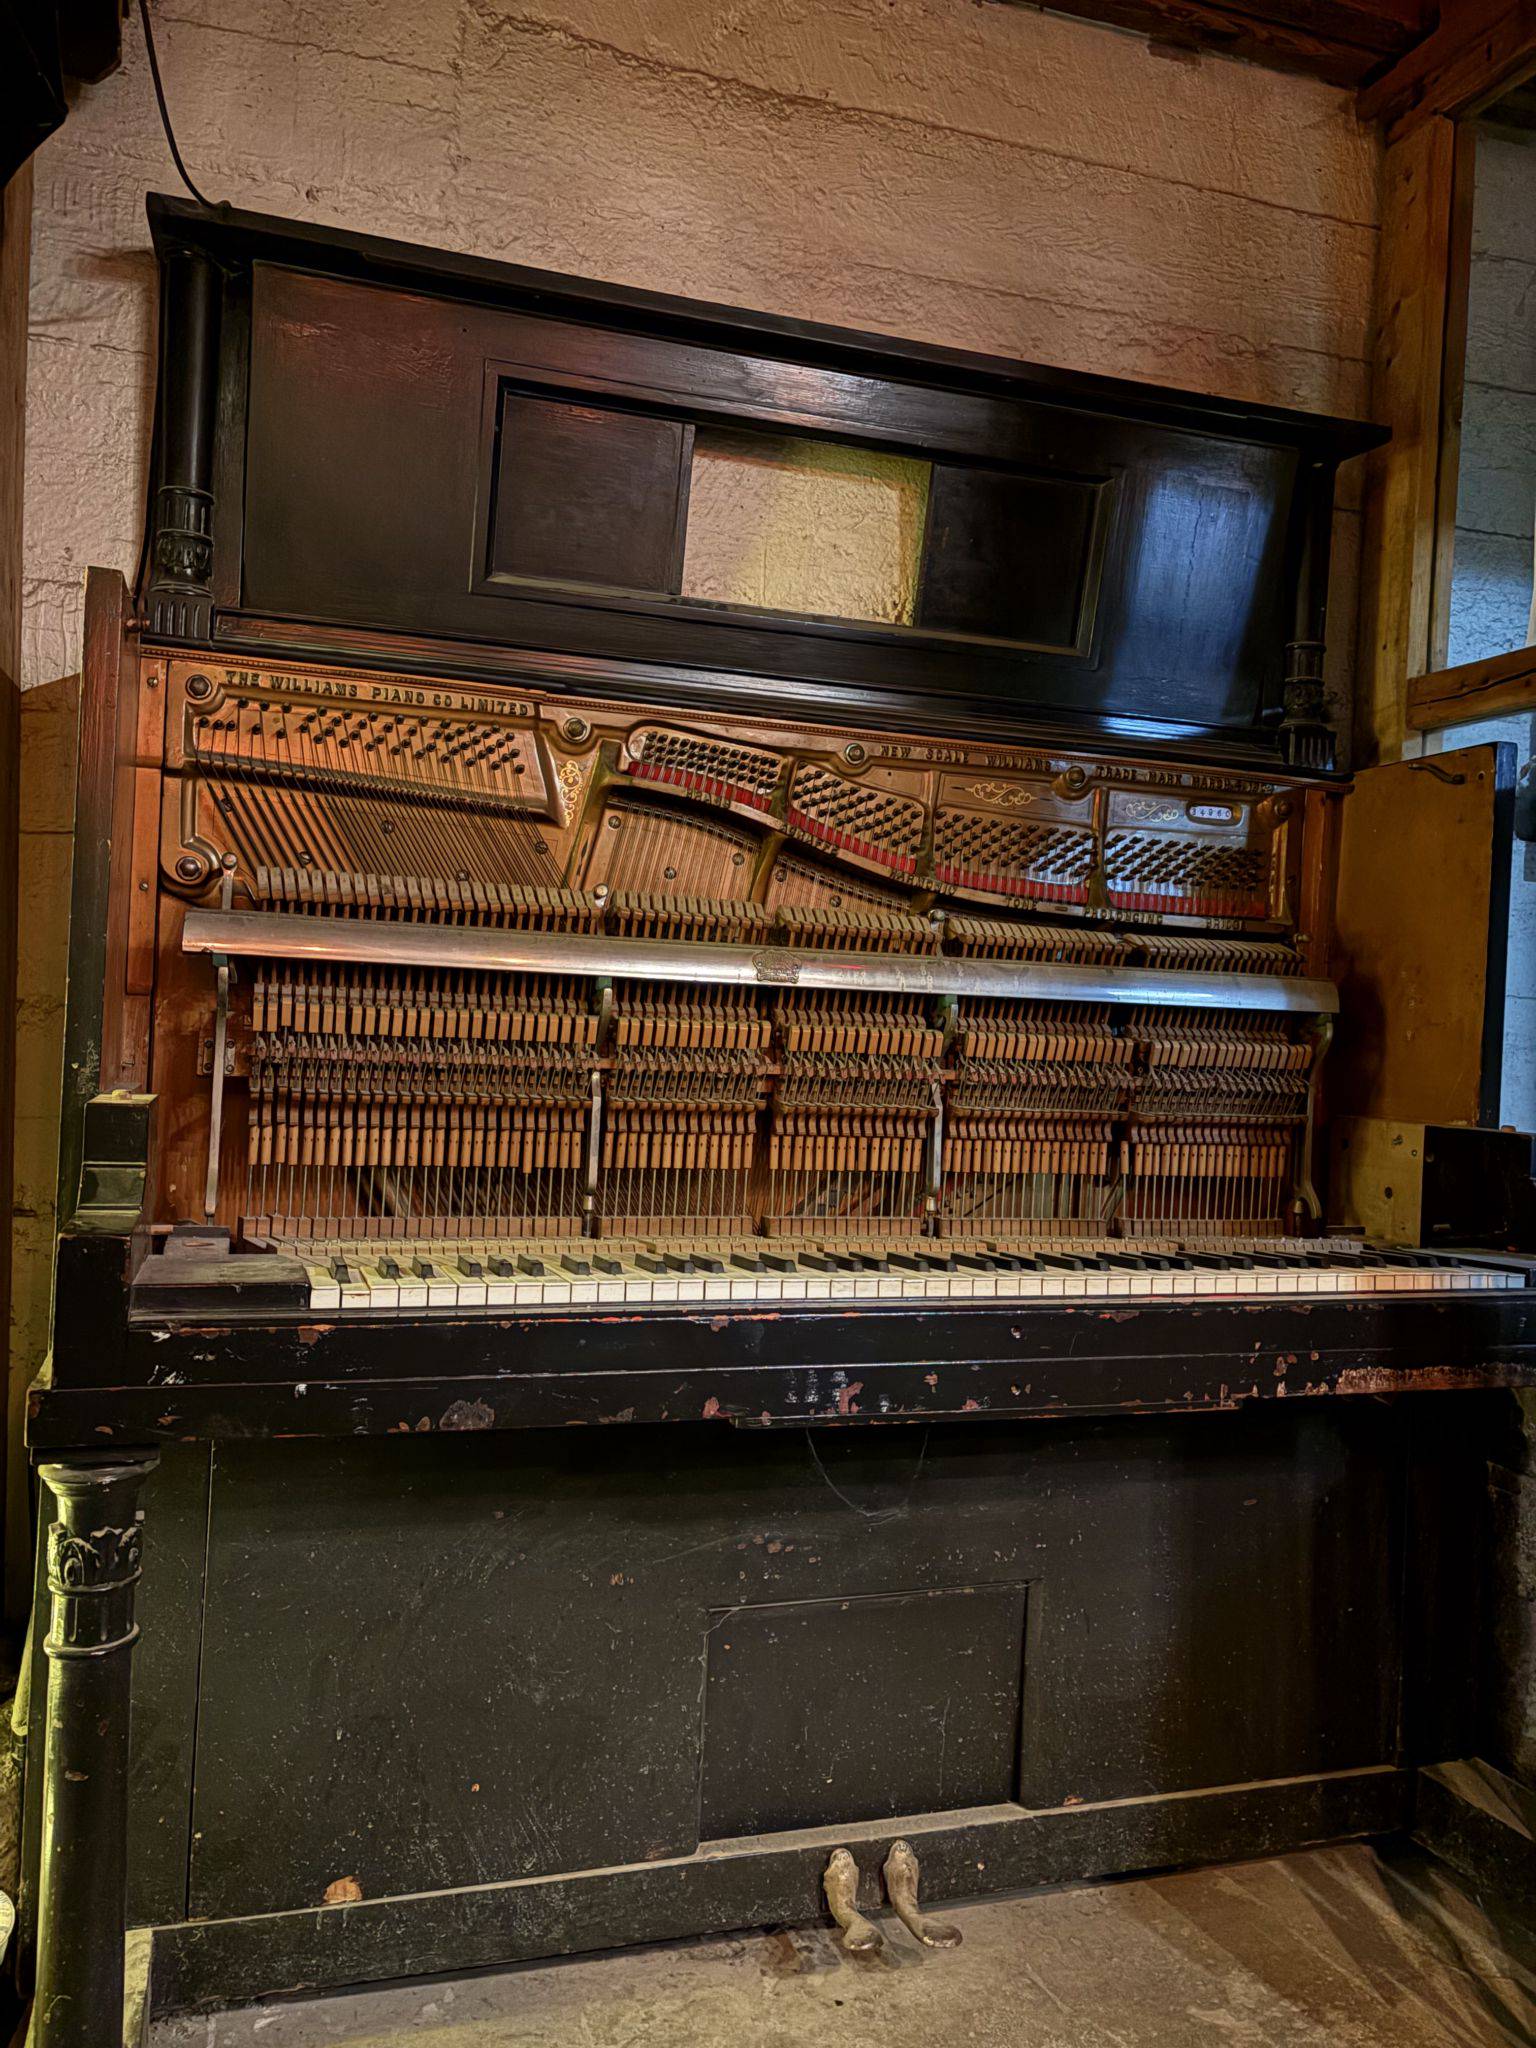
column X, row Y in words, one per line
column 444, row 1661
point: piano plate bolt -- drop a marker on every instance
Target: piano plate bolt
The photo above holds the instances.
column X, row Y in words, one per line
column 840, row 1882
column 901, row 1876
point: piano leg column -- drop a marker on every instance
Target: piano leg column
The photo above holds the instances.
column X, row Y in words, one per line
column 93, row 1570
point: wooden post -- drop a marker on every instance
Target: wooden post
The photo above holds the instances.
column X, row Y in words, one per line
column 1402, row 498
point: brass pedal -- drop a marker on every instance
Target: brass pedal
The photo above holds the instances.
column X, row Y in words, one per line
column 840, row 1882
column 901, row 1877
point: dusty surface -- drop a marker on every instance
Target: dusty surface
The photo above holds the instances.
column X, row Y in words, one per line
column 1334, row 1948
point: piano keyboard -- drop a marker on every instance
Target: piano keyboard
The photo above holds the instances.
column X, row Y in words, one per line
column 370, row 1277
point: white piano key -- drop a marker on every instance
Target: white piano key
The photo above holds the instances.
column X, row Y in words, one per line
column 383, row 1293
column 324, row 1291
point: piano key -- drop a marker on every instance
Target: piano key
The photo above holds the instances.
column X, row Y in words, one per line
column 383, row 1292
column 324, row 1289
column 541, row 1276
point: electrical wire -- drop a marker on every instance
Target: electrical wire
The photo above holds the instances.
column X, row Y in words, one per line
column 165, row 113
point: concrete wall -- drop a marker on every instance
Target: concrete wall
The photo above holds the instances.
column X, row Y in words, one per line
column 1496, row 487
column 1495, row 514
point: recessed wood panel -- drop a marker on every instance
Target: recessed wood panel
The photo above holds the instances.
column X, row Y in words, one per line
column 1423, row 906
column 1122, row 556
column 1011, row 557
column 824, row 1711
column 588, row 494
column 511, row 1634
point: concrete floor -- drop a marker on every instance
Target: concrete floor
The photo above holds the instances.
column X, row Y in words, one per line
column 1331, row 1948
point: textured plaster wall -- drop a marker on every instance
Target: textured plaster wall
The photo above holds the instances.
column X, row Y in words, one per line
column 967, row 173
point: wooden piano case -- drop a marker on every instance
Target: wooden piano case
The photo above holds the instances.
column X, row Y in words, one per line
column 431, row 1679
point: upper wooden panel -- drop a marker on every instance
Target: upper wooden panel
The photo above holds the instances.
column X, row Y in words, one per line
column 379, row 452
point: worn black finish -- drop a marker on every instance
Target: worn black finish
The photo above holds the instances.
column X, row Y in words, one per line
column 179, row 598
column 587, row 494
column 884, row 1703
column 767, row 1883
column 1173, row 527
column 32, row 102
column 93, row 1567
column 107, row 1234
column 1478, row 1187
column 527, row 1640
column 1305, row 738
column 162, row 1378
column 1014, row 557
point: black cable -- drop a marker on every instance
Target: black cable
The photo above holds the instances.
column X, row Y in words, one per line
column 165, row 116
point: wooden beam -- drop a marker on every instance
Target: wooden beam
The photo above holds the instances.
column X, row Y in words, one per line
column 1340, row 41
column 1492, row 688
column 1480, row 49
column 1402, row 494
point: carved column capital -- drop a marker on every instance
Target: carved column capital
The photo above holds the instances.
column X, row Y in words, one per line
column 95, row 1555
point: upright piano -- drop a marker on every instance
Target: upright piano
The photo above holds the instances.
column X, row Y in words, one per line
column 719, row 971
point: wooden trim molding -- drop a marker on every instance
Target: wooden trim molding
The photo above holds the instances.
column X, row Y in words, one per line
column 1480, row 49
column 1403, row 498
column 1493, row 688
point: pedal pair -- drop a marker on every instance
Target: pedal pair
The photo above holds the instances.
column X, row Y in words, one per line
column 840, row 1882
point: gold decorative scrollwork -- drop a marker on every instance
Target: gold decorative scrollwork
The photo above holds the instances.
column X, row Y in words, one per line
column 1010, row 796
